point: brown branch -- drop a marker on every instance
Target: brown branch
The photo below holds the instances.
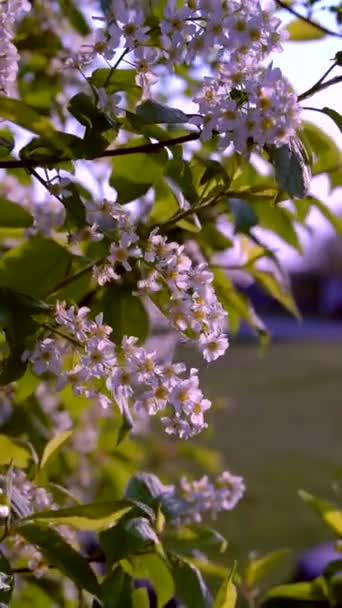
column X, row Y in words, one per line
column 317, row 88
column 152, row 147
column 314, row 24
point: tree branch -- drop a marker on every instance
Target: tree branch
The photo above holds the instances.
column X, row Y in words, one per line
column 317, row 88
column 152, row 147
column 318, row 26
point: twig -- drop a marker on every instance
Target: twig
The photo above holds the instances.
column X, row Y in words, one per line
column 318, row 26
column 153, row 147
column 71, row 278
column 323, row 85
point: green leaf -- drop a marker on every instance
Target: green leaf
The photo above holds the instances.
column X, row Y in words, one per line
column 13, row 215
column 117, row 80
column 208, row 179
column 212, row 239
column 41, row 89
column 101, row 127
column 335, row 589
column 74, row 16
column 155, row 113
column 53, row 148
column 126, row 422
column 226, row 596
column 134, row 174
column 18, row 302
column 16, row 310
column 26, row 385
column 179, row 171
column 258, row 568
column 75, row 209
column 185, row 538
column 140, row 598
column 335, row 116
column 148, row 489
column 116, row 590
column 190, row 586
column 214, row 172
column 275, row 289
column 305, row 592
column 6, row 142
column 245, row 216
column 334, row 567
column 236, row 304
column 94, row 516
column 53, row 446
column 144, row 487
column 34, row 267
column 327, row 155
column 14, row 450
column 24, row 116
column 301, row 31
column 135, row 124
column 131, row 537
column 153, row 567
column 19, row 327
column 124, row 312
column 6, row 581
column 82, row 107
column 279, row 221
column 165, row 204
column 327, row 511
column 33, row 35
column 61, row 555
column 126, row 189
column 140, row 168
column 79, row 287
column 292, row 167
column 36, row 593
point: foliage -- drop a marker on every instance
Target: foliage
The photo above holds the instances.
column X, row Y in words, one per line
column 110, row 219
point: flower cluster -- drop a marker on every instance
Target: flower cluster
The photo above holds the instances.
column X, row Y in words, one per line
column 240, row 28
column 245, row 103
column 259, row 109
column 127, row 375
column 181, row 290
column 110, row 217
column 9, row 55
column 191, row 304
column 211, row 497
column 27, row 498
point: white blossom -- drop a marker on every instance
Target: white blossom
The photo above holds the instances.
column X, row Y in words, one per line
column 211, row 497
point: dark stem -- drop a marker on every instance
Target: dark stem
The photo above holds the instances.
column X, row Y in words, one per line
column 71, row 278
column 152, row 147
column 58, row 332
column 318, row 26
column 46, row 184
column 317, row 88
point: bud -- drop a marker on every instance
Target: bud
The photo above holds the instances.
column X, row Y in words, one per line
column 338, row 58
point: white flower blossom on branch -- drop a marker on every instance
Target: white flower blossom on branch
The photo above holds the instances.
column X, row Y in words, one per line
column 102, row 370
column 211, row 497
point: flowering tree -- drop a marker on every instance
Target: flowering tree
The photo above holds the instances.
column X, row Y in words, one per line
column 115, row 217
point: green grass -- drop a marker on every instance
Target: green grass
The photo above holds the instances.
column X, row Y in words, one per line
column 278, row 424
